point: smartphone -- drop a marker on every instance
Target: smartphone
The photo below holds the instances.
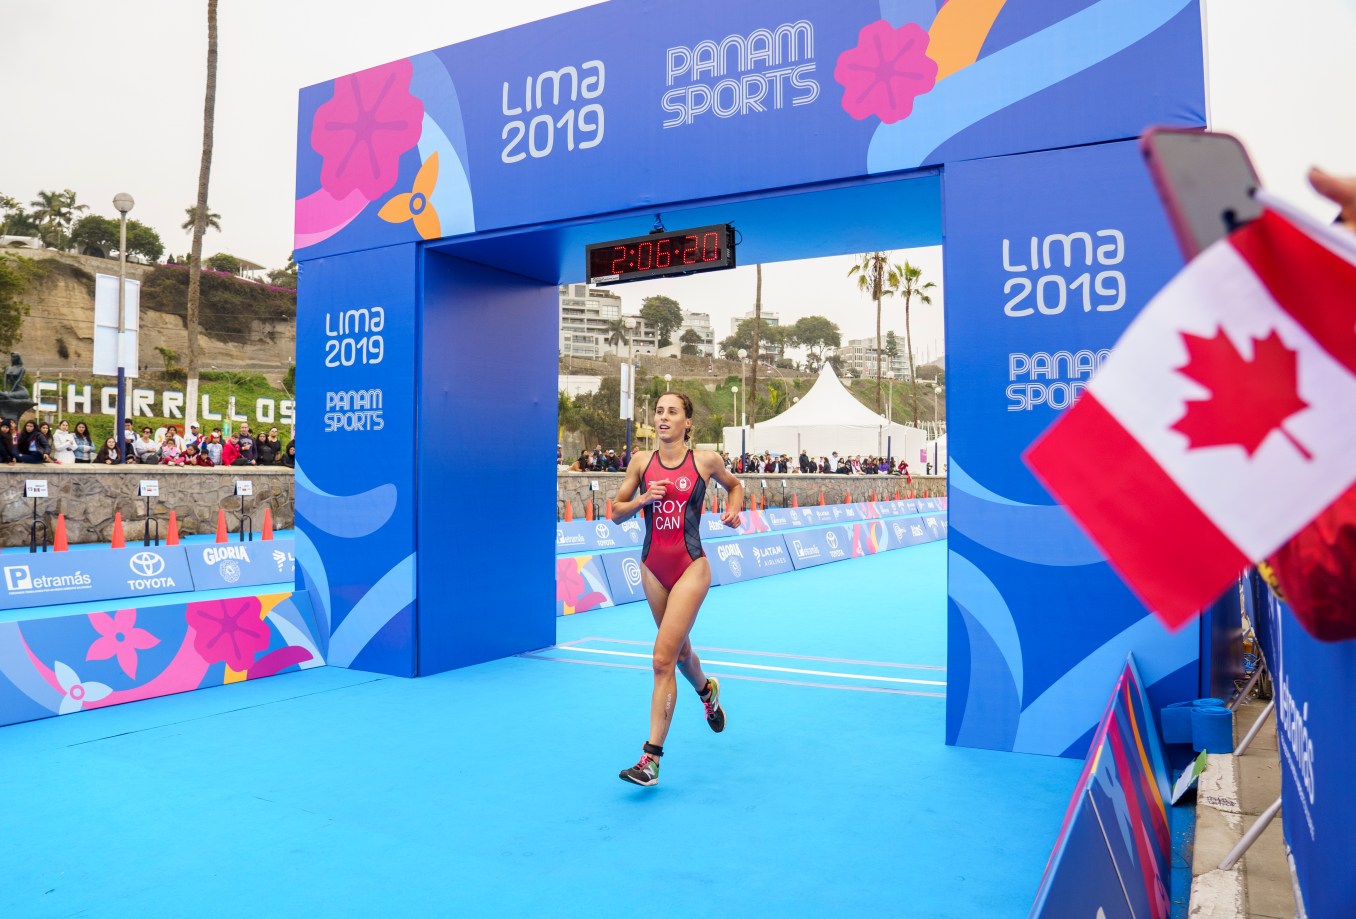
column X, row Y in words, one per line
column 1206, row 182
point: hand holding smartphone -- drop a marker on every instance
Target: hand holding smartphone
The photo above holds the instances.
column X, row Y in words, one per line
column 1206, row 182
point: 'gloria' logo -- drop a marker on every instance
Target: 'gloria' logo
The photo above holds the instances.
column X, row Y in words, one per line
column 146, row 564
column 214, row 554
column 18, row 578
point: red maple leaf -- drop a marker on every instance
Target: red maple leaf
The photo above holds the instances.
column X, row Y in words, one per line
column 1249, row 398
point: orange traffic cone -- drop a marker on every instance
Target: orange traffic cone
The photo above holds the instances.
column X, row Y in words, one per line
column 118, row 541
column 59, row 541
column 873, row 495
column 172, row 531
column 268, row 523
column 588, row 511
column 847, row 497
column 609, row 508
column 794, row 501
column 715, row 501
column 569, row 511
column 821, row 498
column 221, row 525
column 896, row 494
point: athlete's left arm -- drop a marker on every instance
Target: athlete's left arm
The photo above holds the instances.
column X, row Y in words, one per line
column 709, row 464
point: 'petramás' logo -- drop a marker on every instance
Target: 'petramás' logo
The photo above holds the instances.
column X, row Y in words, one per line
column 18, row 577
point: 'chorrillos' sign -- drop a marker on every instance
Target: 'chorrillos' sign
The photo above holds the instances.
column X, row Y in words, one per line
column 146, row 403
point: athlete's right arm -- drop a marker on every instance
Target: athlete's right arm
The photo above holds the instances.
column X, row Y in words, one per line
column 627, row 502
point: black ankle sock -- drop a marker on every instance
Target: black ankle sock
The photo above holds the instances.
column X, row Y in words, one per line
column 652, row 749
column 705, row 692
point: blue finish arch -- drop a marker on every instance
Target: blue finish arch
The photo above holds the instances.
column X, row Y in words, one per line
column 442, row 197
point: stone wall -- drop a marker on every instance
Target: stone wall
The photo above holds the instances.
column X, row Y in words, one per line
column 62, row 313
column 574, row 487
column 89, row 496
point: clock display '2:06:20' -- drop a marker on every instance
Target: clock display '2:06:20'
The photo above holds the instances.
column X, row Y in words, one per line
column 683, row 252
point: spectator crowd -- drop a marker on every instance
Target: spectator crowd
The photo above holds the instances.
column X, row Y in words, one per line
column 600, row 460
column 37, row 442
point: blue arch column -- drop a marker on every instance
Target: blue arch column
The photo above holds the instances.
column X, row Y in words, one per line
column 427, row 385
column 1048, row 257
column 486, row 478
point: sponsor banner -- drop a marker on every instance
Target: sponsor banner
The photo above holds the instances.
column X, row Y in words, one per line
column 581, row 584
column 241, row 564
column 909, row 533
column 749, row 558
column 623, row 575
column 586, row 536
column 1316, row 733
column 592, row 535
column 819, row 546
column 50, row 578
column 1117, row 819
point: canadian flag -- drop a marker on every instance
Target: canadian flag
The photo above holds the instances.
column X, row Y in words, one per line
column 1224, row 421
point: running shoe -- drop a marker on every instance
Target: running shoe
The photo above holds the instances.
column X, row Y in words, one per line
column 715, row 715
column 645, row 772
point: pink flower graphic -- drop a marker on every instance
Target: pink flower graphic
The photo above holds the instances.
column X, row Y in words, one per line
column 228, row 630
column 571, row 588
column 118, row 634
column 364, row 128
column 886, row 71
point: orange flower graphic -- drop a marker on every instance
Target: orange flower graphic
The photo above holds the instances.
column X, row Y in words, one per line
column 416, row 205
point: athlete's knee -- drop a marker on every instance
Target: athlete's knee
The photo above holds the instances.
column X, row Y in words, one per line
column 664, row 661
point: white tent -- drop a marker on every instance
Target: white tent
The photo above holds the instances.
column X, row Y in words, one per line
column 827, row 419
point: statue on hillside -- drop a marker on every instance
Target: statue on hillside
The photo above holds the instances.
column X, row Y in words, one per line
column 14, row 401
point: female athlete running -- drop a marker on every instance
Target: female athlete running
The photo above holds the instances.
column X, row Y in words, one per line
column 671, row 482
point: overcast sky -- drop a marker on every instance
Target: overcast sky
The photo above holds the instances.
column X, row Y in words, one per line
column 106, row 97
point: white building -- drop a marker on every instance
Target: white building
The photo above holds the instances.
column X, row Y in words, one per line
column 767, row 318
column 586, row 316
column 859, row 357
column 701, row 324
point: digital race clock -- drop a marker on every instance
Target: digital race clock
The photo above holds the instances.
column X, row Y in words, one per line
column 658, row 254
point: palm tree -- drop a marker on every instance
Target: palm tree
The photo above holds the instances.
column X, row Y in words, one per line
column 56, row 209
column 617, row 329
column 878, row 277
column 908, row 285
column 201, row 215
column 213, row 221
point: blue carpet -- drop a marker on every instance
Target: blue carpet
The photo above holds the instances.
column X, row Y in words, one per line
column 492, row 791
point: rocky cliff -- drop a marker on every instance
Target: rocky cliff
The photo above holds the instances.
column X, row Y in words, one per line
column 245, row 326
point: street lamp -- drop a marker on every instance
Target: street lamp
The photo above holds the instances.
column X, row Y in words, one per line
column 124, row 203
column 890, row 403
column 936, row 419
column 668, row 378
